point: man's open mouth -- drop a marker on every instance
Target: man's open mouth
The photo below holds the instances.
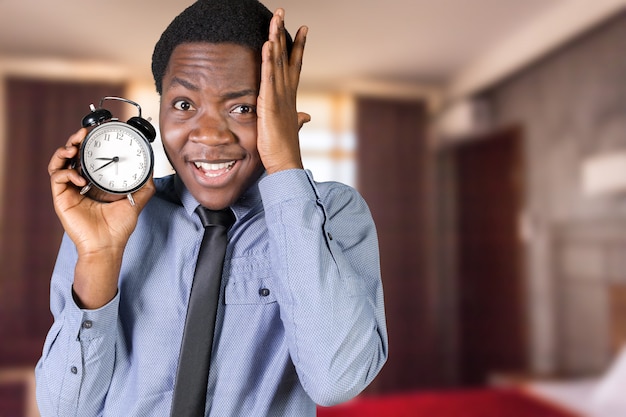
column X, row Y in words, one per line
column 214, row 169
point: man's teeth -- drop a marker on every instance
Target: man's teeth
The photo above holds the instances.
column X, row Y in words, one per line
column 215, row 170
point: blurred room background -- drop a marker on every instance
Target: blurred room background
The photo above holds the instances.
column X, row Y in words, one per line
column 488, row 137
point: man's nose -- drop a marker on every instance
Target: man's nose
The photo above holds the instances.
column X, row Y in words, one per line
column 211, row 129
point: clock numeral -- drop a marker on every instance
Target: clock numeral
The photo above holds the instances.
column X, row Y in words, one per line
column 92, row 166
column 97, row 144
column 107, row 137
column 120, row 135
column 112, row 184
column 141, row 165
column 90, row 154
column 100, row 177
column 139, row 152
column 134, row 176
column 125, row 184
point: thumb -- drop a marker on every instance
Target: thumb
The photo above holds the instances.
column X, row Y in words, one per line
column 302, row 119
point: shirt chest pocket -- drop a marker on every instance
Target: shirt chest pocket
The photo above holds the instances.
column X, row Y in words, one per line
column 249, row 282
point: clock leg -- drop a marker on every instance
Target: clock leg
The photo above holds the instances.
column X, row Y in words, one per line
column 85, row 189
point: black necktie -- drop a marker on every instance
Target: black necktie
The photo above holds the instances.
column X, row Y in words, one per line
column 195, row 354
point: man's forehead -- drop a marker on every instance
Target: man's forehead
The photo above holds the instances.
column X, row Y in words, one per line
column 197, row 57
column 233, row 67
column 202, row 48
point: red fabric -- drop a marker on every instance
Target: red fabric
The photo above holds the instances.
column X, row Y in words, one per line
column 12, row 399
column 465, row 403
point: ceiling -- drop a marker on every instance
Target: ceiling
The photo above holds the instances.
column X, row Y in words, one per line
column 455, row 45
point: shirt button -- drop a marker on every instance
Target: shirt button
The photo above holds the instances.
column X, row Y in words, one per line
column 264, row 292
column 87, row 324
column 74, row 370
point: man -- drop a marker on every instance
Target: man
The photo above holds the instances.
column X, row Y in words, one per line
column 300, row 319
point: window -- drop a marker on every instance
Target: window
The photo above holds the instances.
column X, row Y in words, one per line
column 328, row 141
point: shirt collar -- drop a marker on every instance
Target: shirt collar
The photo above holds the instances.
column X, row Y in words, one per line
column 248, row 202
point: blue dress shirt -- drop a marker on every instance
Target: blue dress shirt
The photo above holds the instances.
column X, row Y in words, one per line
column 300, row 320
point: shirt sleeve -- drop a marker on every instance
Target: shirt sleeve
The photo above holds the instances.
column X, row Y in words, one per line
column 324, row 254
column 75, row 369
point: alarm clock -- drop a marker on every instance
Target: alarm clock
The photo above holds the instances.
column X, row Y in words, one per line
column 116, row 156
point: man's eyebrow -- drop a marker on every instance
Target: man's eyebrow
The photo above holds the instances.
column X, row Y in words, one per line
column 187, row 84
column 239, row 94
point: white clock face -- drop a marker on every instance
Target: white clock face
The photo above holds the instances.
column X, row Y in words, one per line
column 116, row 159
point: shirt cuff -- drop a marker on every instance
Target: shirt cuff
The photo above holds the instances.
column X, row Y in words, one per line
column 92, row 324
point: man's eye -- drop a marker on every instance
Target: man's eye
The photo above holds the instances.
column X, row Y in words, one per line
column 183, row 105
column 244, row 109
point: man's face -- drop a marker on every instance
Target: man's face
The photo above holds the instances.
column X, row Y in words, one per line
column 208, row 120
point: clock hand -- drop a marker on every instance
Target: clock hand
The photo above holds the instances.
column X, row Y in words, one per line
column 114, row 159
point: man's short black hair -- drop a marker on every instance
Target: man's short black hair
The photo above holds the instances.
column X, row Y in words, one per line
column 242, row 22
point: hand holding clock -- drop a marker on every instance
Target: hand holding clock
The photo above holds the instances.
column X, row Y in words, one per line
column 100, row 230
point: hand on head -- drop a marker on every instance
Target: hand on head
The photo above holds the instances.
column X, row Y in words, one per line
column 278, row 120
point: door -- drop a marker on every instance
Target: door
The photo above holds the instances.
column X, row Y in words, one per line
column 393, row 172
column 490, row 281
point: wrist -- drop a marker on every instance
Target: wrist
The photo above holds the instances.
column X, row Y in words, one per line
column 283, row 167
column 99, row 253
column 96, row 279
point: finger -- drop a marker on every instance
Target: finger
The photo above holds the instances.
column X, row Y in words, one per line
column 274, row 34
column 297, row 54
column 59, row 180
column 64, row 154
column 302, row 119
column 272, row 79
column 77, row 138
column 267, row 77
column 282, row 39
column 287, row 65
column 277, row 30
column 278, row 54
column 59, row 159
